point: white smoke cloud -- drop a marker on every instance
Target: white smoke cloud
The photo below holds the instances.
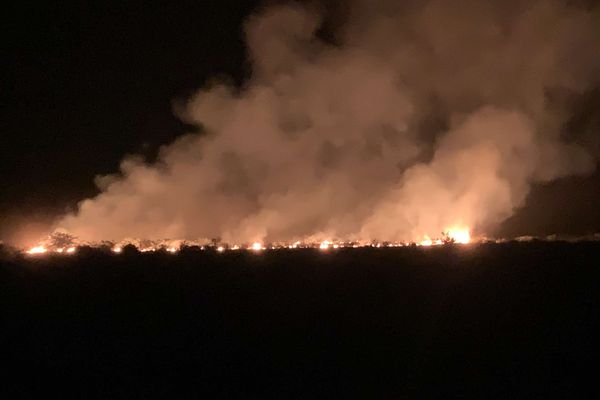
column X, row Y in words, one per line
column 421, row 117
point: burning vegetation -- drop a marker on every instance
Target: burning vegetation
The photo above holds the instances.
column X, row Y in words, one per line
column 61, row 243
column 64, row 243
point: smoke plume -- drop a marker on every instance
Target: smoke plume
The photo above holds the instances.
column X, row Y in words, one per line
column 411, row 118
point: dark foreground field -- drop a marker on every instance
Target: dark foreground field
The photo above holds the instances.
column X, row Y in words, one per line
column 499, row 320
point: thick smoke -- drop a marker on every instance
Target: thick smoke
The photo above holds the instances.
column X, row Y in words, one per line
column 411, row 118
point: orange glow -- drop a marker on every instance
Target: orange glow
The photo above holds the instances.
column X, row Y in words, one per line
column 37, row 250
column 426, row 242
column 457, row 234
column 461, row 236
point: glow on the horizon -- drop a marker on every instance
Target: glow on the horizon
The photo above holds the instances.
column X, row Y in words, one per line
column 461, row 236
column 37, row 250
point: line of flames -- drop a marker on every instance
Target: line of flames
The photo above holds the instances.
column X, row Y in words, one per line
column 457, row 236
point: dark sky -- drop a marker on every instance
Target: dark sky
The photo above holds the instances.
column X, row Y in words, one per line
column 84, row 84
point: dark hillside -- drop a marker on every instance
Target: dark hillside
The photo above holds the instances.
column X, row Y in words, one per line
column 498, row 320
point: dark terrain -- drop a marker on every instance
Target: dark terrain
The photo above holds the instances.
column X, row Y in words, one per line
column 513, row 320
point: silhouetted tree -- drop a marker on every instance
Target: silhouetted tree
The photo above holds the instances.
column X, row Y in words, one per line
column 61, row 240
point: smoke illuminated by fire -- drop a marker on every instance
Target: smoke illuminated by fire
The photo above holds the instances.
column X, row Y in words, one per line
column 423, row 117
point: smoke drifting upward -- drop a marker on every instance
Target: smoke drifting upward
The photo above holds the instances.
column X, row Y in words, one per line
column 421, row 117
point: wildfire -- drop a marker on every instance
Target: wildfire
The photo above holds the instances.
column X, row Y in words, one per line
column 426, row 242
column 43, row 250
column 452, row 235
column 461, row 236
column 37, row 250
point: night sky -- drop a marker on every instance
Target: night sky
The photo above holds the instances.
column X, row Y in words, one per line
column 84, row 84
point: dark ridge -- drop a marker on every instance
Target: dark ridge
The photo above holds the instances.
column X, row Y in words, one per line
column 511, row 320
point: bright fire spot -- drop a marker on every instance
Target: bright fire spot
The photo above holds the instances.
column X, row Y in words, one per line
column 117, row 249
column 172, row 250
column 461, row 236
column 426, row 242
column 256, row 246
column 37, row 250
column 324, row 245
column 71, row 250
column 220, row 249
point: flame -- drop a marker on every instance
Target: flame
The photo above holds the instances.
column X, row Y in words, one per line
column 37, row 250
column 456, row 234
column 462, row 235
column 426, row 241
